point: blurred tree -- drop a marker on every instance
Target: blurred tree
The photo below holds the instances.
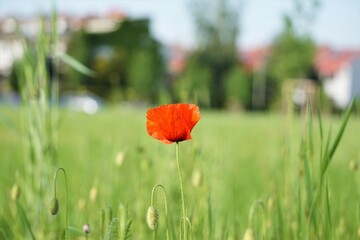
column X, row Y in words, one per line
column 293, row 50
column 238, row 89
column 194, row 84
column 292, row 54
column 142, row 79
column 217, row 29
column 128, row 61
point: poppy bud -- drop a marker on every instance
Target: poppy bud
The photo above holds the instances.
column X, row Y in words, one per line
column 152, row 217
column 54, row 206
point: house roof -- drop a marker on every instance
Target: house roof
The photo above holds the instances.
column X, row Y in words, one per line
column 327, row 60
column 176, row 58
column 254, row 59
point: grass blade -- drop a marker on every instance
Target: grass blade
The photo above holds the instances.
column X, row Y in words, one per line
column 329, row 154
column 280, row 218
column 25, row 220
column 112, row 233
column 328, row 212
column 5, row 229
column 9, row 123
column 321, row 132
column 310, row 130
column 72, row 62
column 309, row 192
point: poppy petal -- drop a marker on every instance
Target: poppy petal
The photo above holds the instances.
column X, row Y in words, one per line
column 190, row 114
column 153, row 130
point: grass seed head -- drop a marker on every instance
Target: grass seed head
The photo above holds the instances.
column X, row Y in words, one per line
column 54, row 206
column 270, row 204
column 249, row 234
column 196, row 178
column 152, row 217
column 119, row 160
column 15, row 192
column 81, row 204
column 93, row 194
column 353, row 165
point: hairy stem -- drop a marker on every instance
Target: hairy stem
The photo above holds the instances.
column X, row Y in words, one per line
column 182, row 191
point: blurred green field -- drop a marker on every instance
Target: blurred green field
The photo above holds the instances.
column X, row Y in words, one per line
column 240, row 157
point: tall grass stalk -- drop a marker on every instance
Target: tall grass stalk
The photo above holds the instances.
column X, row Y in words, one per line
column 318, row 201
column 39, row 93
column 38, row 81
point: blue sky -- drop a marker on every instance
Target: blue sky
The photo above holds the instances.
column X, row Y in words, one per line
column 337, row 22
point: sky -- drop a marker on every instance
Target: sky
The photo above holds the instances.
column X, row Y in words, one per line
column 337, row 23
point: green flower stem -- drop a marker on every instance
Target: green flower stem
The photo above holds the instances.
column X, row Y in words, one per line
column 182, row 191
column 166, row 207
column 67, row 197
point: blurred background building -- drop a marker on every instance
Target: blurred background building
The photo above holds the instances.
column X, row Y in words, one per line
column 132, row 65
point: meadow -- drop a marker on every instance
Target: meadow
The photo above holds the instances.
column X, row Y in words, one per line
column 244, row 174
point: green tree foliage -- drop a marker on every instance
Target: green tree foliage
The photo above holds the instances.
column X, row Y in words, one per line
column 238, row 88
column 292, row 55
column 127, row 60
column 142, row 79
column 194, row 84
column 217, row 28
column 293, row 50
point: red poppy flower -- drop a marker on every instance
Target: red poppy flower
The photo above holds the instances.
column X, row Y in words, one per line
column 172, row 122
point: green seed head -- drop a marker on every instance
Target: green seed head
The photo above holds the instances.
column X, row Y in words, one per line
column 93, row 194
column 249, row 234
column 15, row 192
column 353, row 165
column 196, row 178
column 152, row 217
column 120, row 157
column 54, row 206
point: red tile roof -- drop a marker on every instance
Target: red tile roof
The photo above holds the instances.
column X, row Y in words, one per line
column 327, row 61
column 255, row 58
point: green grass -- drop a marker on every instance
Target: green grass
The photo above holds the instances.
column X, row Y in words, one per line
column 242, row 158
column 267, row 175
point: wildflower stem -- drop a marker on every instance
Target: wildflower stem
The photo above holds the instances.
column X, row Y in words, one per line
column 166, row 207
column 67, row 196
column 182, row 191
